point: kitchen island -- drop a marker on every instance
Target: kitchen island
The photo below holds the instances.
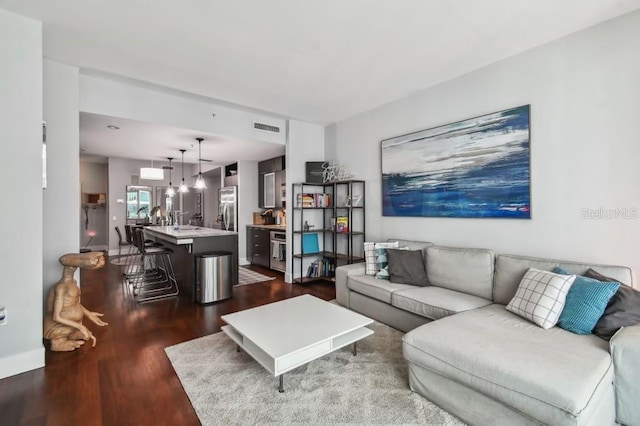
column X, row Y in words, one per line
column 188, row 242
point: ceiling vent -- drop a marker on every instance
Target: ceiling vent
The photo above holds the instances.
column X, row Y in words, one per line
column 266, row 127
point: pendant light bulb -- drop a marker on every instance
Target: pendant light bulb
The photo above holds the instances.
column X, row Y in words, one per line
column 170, row 192
column 200, row 183
column 183, row 186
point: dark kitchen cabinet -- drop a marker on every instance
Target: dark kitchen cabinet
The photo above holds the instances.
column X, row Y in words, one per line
column 258, row 246
column 231, row 174
column 271, row 177
column 281, row 189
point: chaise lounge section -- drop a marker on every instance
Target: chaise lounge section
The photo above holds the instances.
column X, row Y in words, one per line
column 483, row 363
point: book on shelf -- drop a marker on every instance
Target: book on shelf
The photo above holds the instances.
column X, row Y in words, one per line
column 310, row 243
column 342, row 224
column 321, row 267
column 313, row 200
column 308, row 200
column 323, row 200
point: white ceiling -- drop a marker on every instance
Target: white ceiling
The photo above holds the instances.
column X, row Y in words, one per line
column 315, row 60
column 145, row 141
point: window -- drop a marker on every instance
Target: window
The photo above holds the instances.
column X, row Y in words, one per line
column 139, row 202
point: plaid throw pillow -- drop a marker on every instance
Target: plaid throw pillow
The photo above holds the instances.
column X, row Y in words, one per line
column 371, row 266
column 541, row 296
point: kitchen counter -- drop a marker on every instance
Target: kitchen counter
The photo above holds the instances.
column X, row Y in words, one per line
column 185, row 234
column 188, row 242
column 273, row 227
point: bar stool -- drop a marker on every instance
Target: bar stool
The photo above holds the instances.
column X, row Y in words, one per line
column 121, row 242
column 135, row 265
column 158, row 281
column 132, row 253
column 132, row 263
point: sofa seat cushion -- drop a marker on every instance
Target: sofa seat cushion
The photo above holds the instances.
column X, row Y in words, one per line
column 375, row 288
column 548, row 374
column 435, row 302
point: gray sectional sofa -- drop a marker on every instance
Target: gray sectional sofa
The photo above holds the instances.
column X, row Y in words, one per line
column 486, row 365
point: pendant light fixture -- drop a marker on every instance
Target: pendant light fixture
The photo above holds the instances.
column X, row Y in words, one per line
column 200, row 184
column 183, row 186
column 170, row 191
column 151, row 173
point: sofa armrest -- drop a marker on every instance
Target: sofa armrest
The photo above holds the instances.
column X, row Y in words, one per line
column 342, row 274
column 625, row 351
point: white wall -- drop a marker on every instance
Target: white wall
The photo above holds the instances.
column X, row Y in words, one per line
column 62, row 196
column 584, row 92
column 94, row 180
column 118, row 99
column 21, row 227
column 247, row 203
column 305, row 142
column 93, row 177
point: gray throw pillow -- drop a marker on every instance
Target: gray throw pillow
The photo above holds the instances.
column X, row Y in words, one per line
column 406, row 267
column 623, row 309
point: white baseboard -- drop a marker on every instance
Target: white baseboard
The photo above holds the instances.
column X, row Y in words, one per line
column 243, row 261
column 97, row 248
column 26, row 361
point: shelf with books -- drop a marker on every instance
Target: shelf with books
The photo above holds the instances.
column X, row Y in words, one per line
column 313, row 200
column 328, row 228
column 315, row 254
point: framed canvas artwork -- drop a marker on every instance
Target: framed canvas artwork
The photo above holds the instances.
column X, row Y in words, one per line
column 475, row 168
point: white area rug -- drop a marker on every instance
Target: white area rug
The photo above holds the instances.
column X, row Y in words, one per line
column 230, row 388
column 247, row 276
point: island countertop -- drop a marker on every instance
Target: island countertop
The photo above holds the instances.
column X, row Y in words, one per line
column 185, row 234
column 189, row 242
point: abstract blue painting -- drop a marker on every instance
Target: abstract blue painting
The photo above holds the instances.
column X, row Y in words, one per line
column 476, row 168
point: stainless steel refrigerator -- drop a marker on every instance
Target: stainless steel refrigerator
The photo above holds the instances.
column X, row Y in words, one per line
column 228, row 208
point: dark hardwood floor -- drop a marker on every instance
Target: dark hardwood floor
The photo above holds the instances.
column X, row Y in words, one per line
column 127, row 379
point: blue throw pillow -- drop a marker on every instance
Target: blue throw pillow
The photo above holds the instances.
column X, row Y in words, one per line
column 382, row 264
column 586, row 301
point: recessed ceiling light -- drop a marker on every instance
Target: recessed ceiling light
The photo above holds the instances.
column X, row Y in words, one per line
column 112, row 127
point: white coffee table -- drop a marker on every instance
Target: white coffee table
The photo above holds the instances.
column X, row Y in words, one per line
column 287, row 334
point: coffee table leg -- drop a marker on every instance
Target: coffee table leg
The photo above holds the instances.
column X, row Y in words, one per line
column 355, row 350
column 237, row 348
column 281, row 387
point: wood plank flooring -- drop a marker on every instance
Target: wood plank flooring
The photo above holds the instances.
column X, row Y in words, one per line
column 127, row 379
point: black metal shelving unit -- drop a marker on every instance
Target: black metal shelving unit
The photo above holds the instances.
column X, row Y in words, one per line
column 335, row 247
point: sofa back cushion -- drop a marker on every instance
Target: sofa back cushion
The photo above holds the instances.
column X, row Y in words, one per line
column 510, row 269
column 414, row 245
column 462, row 269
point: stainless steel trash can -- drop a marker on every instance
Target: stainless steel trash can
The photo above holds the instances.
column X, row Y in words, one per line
column 213, row 277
